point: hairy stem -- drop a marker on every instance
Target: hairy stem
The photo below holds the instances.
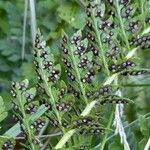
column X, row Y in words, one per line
column 98, row 35
column 78, row 75
column 25, row 119
column 49, row 92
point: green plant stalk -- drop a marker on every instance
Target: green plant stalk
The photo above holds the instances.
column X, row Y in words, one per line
column 108, row 74
column 122, row 25
column 25, row 119
column 100, row 45
column 49, row 92
column 142, row 12
column 24, row 29
column 78, row 75
column 107, row 132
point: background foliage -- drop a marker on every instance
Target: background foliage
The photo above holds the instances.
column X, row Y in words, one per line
column 51, row 17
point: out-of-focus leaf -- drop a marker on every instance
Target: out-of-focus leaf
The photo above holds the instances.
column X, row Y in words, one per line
column 71, row 14
column 3, row 112
column 13, row 131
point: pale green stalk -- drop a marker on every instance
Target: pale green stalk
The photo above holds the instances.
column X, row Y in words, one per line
column 24, row 29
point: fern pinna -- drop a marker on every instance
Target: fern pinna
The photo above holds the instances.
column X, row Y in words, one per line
column 73, row 93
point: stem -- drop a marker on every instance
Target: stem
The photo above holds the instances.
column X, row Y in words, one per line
column 122, row 25
column 100, row 45
column 33, row 19
column 142, row 12
column 24, row 29
column 78, row 75
column 25, row 119
column 106, row 134
column 49, row 92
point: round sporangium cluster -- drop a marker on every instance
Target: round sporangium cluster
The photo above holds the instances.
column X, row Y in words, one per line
column 125, row 65
column 124, row 2
column 36, row 64
column 114, row 53
column 37, row 42
column 89, row 24
column 96, row 130
column 13, row 84
column 105, row 90
column 83, row 62
column 65, row 50
column 44, row 54
column 75, row 39
column 31, row 108
column 108, row 38
column 22, row 86
column 84, row 121
column 64, row 39
column 89, row 36
column 73, row 91
column 89, row 94
column 143, row 42
column 105, row 24
column 110, row 2
column 70, row 75
column 80, row 49
column 39, row 77
column 15, row 106
column 15, row 118
column 66, row 62
column 63, row 106
column 28, row 96
column 94, row 50
column 54, row 122
column 65, row 124
column 47, row 64
column 8, row 145
column 62, row 93
column 113, row 101
column 98, row 13
column 54, row 76
column 88, row 76
column 133, row 26
column 46, row 104
column 38, row 125
column 134, row 73
column 127, row 12
column 13, row 93
column 147, row 20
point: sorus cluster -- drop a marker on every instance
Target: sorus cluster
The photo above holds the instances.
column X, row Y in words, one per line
column 92, row 130
column 134, row 72
column 63, row 106
column 38, row 125
column 105, row 90
column 143, row 42
column 31, row 108
column 8, row 145
column 84, row 121
column 120, row 67
column 114, row 100
column 46, row 104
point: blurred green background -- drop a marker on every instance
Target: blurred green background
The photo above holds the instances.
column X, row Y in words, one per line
column 51, row 17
